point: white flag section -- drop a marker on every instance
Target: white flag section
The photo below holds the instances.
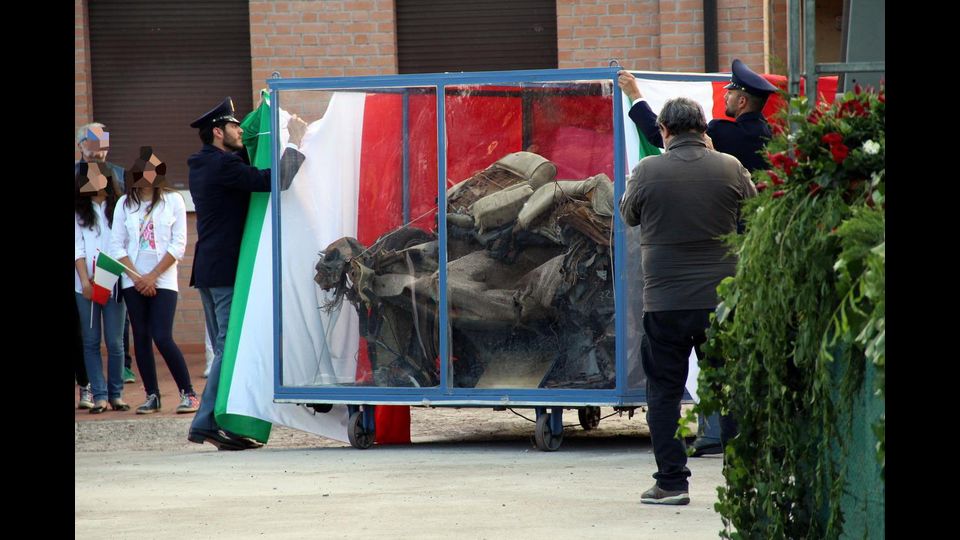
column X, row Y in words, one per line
column 657, row 92
column 319, row 207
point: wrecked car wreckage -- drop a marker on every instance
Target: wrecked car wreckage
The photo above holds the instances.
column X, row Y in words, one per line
column 529, row 277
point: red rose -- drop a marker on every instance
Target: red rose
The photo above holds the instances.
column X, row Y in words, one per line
column 857, row 89
column 774, row 178
column 815, row 116
column 761, row 186
column 839, row 152
column 778, row 194
column 832, row 138
column 783, row 161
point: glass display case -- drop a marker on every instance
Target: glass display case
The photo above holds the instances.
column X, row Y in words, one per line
column 454, row 240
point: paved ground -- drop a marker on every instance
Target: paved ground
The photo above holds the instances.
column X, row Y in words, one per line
column 470, row 473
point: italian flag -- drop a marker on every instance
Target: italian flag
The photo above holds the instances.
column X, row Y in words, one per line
column 106, row 272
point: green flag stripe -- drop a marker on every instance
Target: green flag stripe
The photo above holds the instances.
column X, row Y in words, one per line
column 105, row 262
column 257, row 122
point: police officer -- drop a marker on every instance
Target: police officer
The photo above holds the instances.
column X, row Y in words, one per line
column 742, row 138
column 221, row 180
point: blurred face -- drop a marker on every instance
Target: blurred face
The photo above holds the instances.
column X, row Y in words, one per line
column 92, row 151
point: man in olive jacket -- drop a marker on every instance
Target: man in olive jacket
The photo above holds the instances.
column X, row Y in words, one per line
column 684, row 200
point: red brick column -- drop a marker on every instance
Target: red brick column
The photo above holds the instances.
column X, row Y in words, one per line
column 83, row 92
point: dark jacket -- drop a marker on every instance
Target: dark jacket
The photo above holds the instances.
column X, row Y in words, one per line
column 220, row 184
column 684, row 200
column 741, row 139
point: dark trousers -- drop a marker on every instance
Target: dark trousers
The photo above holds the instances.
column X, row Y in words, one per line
column 151, row 319
column 127, row 359
column 664, row 352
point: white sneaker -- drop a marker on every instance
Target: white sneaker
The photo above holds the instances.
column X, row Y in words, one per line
column 86, row 398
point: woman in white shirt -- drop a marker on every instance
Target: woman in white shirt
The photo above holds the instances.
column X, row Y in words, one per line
column 150, row 237
column 95, row 196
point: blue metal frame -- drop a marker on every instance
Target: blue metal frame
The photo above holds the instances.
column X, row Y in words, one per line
column 445, row 394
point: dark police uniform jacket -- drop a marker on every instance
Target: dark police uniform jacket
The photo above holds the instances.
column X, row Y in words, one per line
column 742, row 138
column 220, row 184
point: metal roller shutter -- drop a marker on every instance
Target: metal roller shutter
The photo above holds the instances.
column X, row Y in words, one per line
column 156, row 66
column 478, row 35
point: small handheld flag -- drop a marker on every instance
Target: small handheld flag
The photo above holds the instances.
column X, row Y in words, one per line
column 106, row 272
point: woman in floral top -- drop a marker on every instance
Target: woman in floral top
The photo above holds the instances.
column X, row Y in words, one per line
column 150, row 237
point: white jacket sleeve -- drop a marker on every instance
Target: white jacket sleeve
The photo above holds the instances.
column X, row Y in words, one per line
column 118, row 234
column 178, row 233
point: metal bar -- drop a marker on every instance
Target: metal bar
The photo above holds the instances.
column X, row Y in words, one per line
column 526, row 119
column 442, row 237
column 809, row 49
column 491, row 395
column 369, row 418
column 399, row 84
column 711, row 59
column 450, row 401
column 556, row 420
column 445, row 79
column 852, row 67
column 277, row 251
column 405, row 133
column 793, row 48
column 619, row 241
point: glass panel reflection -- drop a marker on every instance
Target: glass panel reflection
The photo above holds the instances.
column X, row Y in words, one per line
column 529, row 210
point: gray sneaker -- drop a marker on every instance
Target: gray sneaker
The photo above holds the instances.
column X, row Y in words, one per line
column 86, row 398
column 151, row 406
column 655, row 495
column 189, row 403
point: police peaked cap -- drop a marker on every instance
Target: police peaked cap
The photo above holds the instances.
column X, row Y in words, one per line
column 219, row 114
column 744, row 78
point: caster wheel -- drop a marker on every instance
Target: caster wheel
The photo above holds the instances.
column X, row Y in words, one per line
column 546, row 440
column 589, row 417
column 358, row 436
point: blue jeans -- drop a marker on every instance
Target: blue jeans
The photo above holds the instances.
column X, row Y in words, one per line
column 709, row 427
column 216, row 313
column 107, row 321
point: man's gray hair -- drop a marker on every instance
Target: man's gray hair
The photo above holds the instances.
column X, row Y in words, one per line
column 681, row 115
column 82, row 130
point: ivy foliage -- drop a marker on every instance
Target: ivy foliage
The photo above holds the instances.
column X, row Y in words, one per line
column 800, row 320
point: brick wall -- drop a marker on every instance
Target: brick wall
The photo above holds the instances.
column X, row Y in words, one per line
column 740, row 32
column 591, row 32
column 779, row 62
column 340, row 38
column 656, row 35
column 188, row 326
column 83, row 102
